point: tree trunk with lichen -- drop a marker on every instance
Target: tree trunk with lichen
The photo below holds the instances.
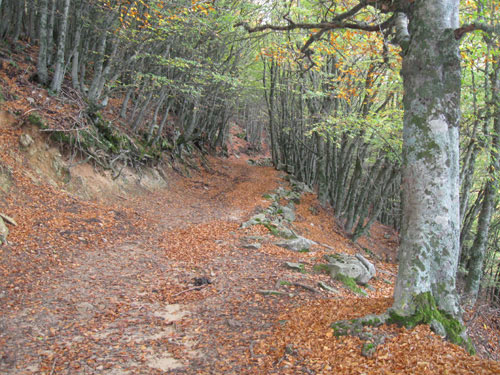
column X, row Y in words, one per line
column 431, row 73
column 425, row 290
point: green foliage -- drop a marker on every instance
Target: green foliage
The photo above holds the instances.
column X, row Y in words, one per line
column 35, row 119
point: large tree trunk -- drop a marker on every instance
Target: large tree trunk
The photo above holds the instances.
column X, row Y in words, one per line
column 430, row 231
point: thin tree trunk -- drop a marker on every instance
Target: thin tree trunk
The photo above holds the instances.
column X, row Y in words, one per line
column 478, row 249
column 19, row 20
column 43, row 74
column 61, row 47
column 101, row 49
column 50, row 28
column 76, row 52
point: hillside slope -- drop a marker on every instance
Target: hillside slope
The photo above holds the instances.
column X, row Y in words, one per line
column 164, row 280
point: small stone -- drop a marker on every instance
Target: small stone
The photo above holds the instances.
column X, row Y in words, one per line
column 297, row 244
column 25, row 140
column 294, row 266
column 198, row 281
column 252, row 246
column 356, row 267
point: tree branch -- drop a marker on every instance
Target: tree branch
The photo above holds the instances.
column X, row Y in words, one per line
column 323, row 26
column 490, row 29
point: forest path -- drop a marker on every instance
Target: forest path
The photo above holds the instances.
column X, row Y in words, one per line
column 109, row 288
column 121, row 301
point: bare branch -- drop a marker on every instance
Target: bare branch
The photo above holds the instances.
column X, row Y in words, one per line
column 490, row 29
column 323, row 26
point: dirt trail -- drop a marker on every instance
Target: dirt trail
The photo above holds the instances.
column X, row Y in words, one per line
column 109, row 288
column 114, row 309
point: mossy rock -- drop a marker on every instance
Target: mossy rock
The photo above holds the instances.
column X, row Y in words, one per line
column 279, row 231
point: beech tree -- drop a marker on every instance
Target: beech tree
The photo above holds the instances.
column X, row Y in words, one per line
column 428, row 32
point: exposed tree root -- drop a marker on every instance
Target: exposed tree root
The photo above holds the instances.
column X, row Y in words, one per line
column 426, row 312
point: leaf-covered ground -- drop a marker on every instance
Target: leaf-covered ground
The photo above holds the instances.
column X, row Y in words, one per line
column 108, row 287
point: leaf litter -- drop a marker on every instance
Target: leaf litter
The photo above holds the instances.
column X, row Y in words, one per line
column 109, row 287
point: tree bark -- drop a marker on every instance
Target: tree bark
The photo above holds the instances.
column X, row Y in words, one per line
column 430, row 231
column 43, row 74
column 61, row 47
column 478, row 249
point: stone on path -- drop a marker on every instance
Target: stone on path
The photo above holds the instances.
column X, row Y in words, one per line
column 297, row 244
column 294, row 266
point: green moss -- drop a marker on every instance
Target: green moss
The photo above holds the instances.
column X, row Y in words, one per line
column 61, row 137
column 35, row 119
column 303, row 251
column 341, row 328
column 350, row 284
column 372, row 321
column 426, row 311
column 367, row 346
column 321, row 268
column 285, row 283
column 277, row 232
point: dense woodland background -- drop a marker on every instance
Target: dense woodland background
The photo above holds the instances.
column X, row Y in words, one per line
column 182, row 72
